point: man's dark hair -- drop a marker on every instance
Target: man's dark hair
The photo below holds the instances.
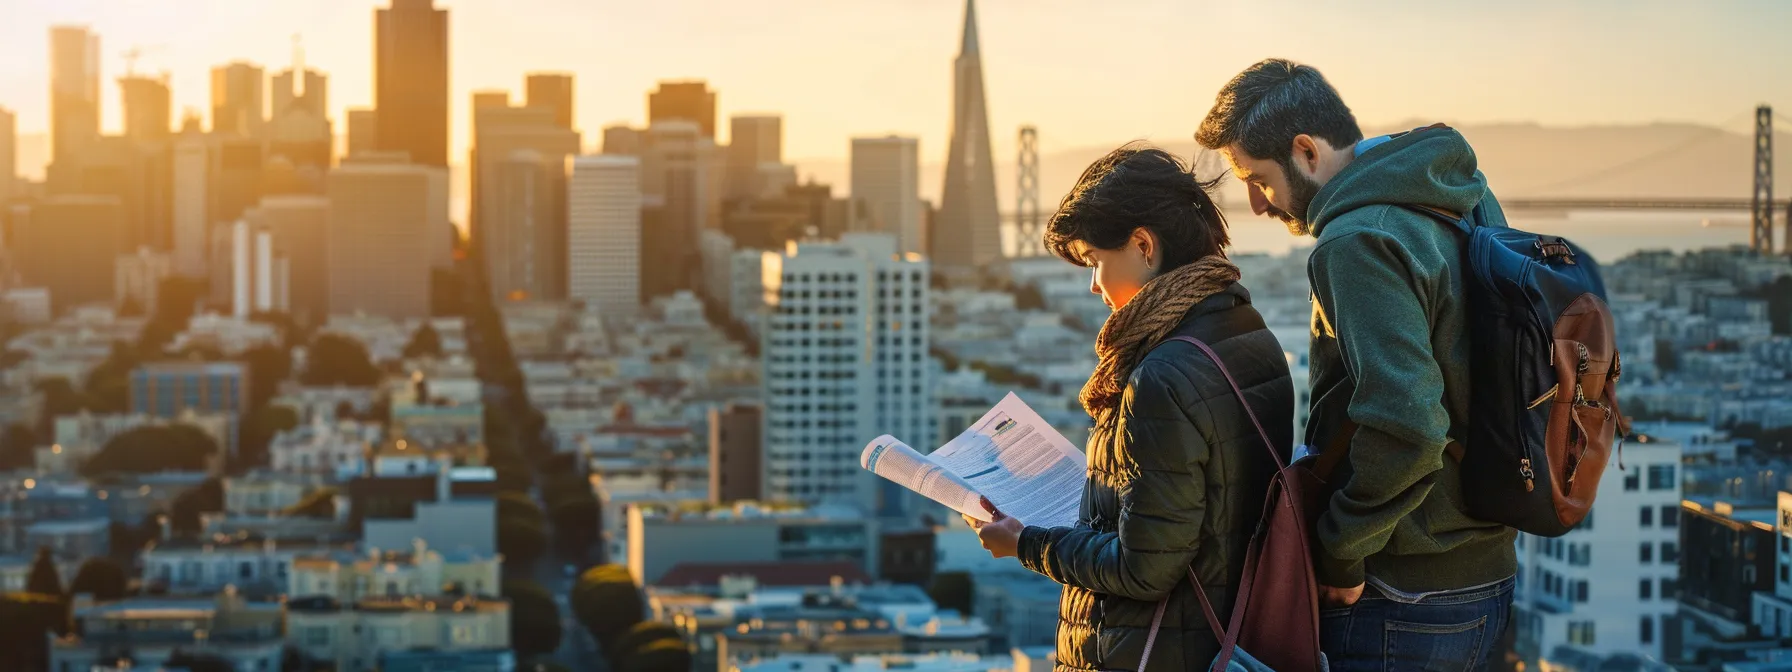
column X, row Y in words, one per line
column 1264, row 107
column 1136, row 186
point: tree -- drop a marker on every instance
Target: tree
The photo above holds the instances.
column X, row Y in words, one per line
column 636, row 638
column 1666, row 360
column 953, row 590
column 109, row 384
column 577, row 522
column 518, row 506
column 268, row 365
column 534, row 618
column 24, row 644
column 425, row 342
column 18, row 447
column 259, row 427
column 60, row 398
column 207, row 497
column 334, row 359
column 607, row 602
column 44, row 579
column 660, row 654
column 103, row 578
column 153, row 448
column 521, row 540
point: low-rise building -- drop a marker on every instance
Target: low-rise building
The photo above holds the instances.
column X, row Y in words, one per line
column 417, row 570
column 71, row 539
column 451, row 509
column 932, row 662
column 246, row 635
column 259, row 569
column 338, row 448
column 268, row 493
column 662, row 537
column 361, row 634
column 1021, row 608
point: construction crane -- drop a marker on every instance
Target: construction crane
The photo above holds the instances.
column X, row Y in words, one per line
column 132, row 54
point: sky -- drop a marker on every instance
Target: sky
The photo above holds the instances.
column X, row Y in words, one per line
column 1084, row 72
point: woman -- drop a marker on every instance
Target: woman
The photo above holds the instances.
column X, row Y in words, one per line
column 1177, row 471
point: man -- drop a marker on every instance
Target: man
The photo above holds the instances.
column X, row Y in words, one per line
column 1410, row 581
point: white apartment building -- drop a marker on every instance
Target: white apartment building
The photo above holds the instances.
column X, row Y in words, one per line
column 1609, row 585
column 845, row 361
column 886, row 176
column 1773, row 611
column 754, row 279
column 356, row 636
column 604, row 238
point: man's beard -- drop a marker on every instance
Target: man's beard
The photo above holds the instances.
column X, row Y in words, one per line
column 1300, row 195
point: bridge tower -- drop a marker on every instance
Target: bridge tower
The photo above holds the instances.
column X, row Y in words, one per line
column 1761, row 212
column 1028, row 224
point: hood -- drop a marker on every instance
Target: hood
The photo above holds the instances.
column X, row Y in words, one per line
column 1432, row 167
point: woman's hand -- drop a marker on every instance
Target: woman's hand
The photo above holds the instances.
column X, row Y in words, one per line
column 1000, row 537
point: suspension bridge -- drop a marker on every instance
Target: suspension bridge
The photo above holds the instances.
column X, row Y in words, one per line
column 1027, row 219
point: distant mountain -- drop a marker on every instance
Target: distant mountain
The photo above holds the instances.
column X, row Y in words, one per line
column 1520, row 160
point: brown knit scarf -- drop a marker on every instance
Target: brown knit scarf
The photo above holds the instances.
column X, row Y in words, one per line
column 1138, row 326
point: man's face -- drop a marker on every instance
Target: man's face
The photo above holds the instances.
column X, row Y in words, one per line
column 1275, row 191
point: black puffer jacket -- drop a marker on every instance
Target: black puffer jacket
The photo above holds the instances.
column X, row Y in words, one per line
column 1179, row 484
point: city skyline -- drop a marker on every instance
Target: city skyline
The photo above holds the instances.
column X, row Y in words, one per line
column 888, row 75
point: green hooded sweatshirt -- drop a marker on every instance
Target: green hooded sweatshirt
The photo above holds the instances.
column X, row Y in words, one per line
column 1390, row 355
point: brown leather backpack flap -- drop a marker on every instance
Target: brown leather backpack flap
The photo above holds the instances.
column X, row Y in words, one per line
column 1582, row 419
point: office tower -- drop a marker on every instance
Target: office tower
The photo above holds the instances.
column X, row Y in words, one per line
column 148, row 107
column 519, row 197
column 9, row 154
column 625, row 140
column 969, row 230
column 74, row 91
column 136, row 173
column 259, row 277
column 490, row 98
column 753, row 141
column 363, row 132
column 299, row 124
column 411, row 80
column 1608, row 586
column 237, row 165
column 553, row 91
column 298, row 224
column 239, row 100
column 378, row 214
column 677, row 167
column 70, row 245
column 845, row 360
column 192, row 201
column 690, row 101
column 139, row 276
column 886, row 178
column 169, row 389
column 603, row 251
column 736, row 453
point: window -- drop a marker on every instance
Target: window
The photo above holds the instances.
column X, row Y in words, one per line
column 1661, row 477
column 1670, row 588
column 1646, row 516
column 1580, row 591
column 1647, row 634
column 1645, row 553
column 1580, row 632
column 1670, row 517
column 1670, row 552
column 1645, row 590
column 1633, row 480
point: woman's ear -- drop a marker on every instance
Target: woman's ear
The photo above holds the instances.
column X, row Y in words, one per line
column 1146, row 243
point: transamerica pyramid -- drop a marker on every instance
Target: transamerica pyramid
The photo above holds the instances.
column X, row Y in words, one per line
column 967, row 235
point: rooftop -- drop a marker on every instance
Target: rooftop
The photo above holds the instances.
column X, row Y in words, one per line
column 767, row 574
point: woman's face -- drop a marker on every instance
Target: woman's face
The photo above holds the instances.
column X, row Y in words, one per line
column 1120, row 273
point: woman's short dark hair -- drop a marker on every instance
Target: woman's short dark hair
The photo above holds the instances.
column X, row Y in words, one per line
column 1264, row 107
column 1135, row 186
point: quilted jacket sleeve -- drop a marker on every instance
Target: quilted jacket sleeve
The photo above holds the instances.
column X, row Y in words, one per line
column 1163, row 458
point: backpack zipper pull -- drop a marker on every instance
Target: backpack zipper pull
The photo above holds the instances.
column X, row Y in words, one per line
column 1524, row 469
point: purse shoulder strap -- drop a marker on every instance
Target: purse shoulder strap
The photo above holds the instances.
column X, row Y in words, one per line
column 1228, row 636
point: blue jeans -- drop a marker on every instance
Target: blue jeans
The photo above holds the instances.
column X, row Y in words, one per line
column 1387, row 631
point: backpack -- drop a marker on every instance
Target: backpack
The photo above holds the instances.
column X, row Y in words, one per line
column 1274, row 624
column 1543, row 377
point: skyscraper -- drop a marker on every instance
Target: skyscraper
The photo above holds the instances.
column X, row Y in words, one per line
column 623, row 139
column 969, row 232
column 411, row 80
column 845, row 359
column 9, row 154
column 298, row 225
column 258, row 277
column 74, row 91
column 363, row 132
column 736, row 453
column 677, row 169
column 299, row 125
column 239, row 100
column 690, row 101
column 753, row 141
column 886, row 178
column 553, row 91
column 192, row 201
column 604, row 234
column 378, row 214
column 70, row 245
column 519, row 197
column 148, row 108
